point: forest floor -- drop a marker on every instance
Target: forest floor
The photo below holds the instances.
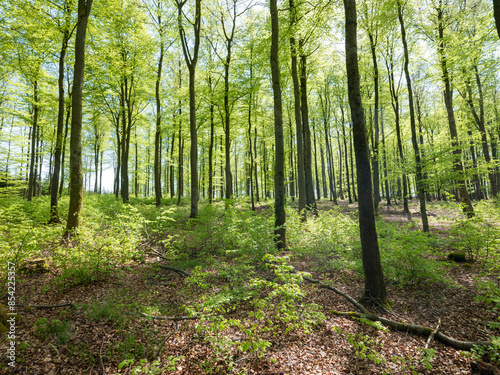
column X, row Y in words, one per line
column 103, row 328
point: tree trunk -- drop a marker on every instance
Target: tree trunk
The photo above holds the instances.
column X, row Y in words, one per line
column 318, row 190
column 301, row 178
column 279, row 171
column 157, row 166
column 448, row 99
column 34, row 136
column 395, row 107
column 387, row 191
column 375, row 292
column 375, row 160
column 191, row 59
column 54, row 182
column 414, row 140
column 310, row 200
column 76, row 177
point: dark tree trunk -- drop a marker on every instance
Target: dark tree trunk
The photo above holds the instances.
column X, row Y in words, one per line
column 292, row 167
column 211, row 147
column 301, row 176
column 63, row 156
column 256, row 171
column 34, row 137
column 375, row 292
column 310, row 200
column 387, row 191
column 496, row 13
column 318, row 189
column 344, row 136
column 157, row 166
column 250, row 103
column 279, row 170
column 323, row 171
column 191, row 59
column 395, row 107
column 76, row 177
column 414, row 140
column 448, row 99
column 375, row 160
column 54, row 182
column 180, row 186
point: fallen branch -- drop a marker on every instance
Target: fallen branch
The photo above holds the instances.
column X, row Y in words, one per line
column 178, row 270
column 359, row 306
column 433, row 334
column 426, row 331
column 173, row 318
column 47, row 306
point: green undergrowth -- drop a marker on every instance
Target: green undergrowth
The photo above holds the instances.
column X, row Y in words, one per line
column 331, row 242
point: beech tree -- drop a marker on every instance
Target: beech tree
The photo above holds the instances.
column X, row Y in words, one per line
column 191, row 58
column 76, row 177
column 375, row 292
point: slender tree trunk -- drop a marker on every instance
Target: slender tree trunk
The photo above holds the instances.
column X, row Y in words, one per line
column 180, row 186
column 34, row 136
column 191, row 59
column 63, row 156
column 54, row 183
column 341, row 191
column 250, row 103
column 211, row 147
column 387, row 191
column 292, row 167
column 323, row 172
column 395, row 106
column 344, row 136
column 157, row 166
column 279, row 170
column 375, row 292
column 301, row 177
column 256, row 171
column 76, row 177
column 414, row 140
column 318, row 190
column 310, row 200
column 448, row 99
column 375, row 160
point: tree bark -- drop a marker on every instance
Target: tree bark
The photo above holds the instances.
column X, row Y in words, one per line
column 301, row 179
column 191, row 58
column 54, row 182
column 375, row 291
column 76, row 177
column 279, row 170
column 414, row 140
column 157, row 166
column 448, row 99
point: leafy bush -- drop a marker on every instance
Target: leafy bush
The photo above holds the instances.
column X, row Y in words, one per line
column 331, row 240
column 406, row 255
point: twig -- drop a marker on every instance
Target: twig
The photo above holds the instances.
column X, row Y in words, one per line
column 100, row 356
column 173, row 318
column 47, row 306
column 178, row 270
column 57, row 351
column 433, row 334
column 165, row 341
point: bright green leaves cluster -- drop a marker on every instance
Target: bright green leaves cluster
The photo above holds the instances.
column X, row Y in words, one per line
column 277, row 305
